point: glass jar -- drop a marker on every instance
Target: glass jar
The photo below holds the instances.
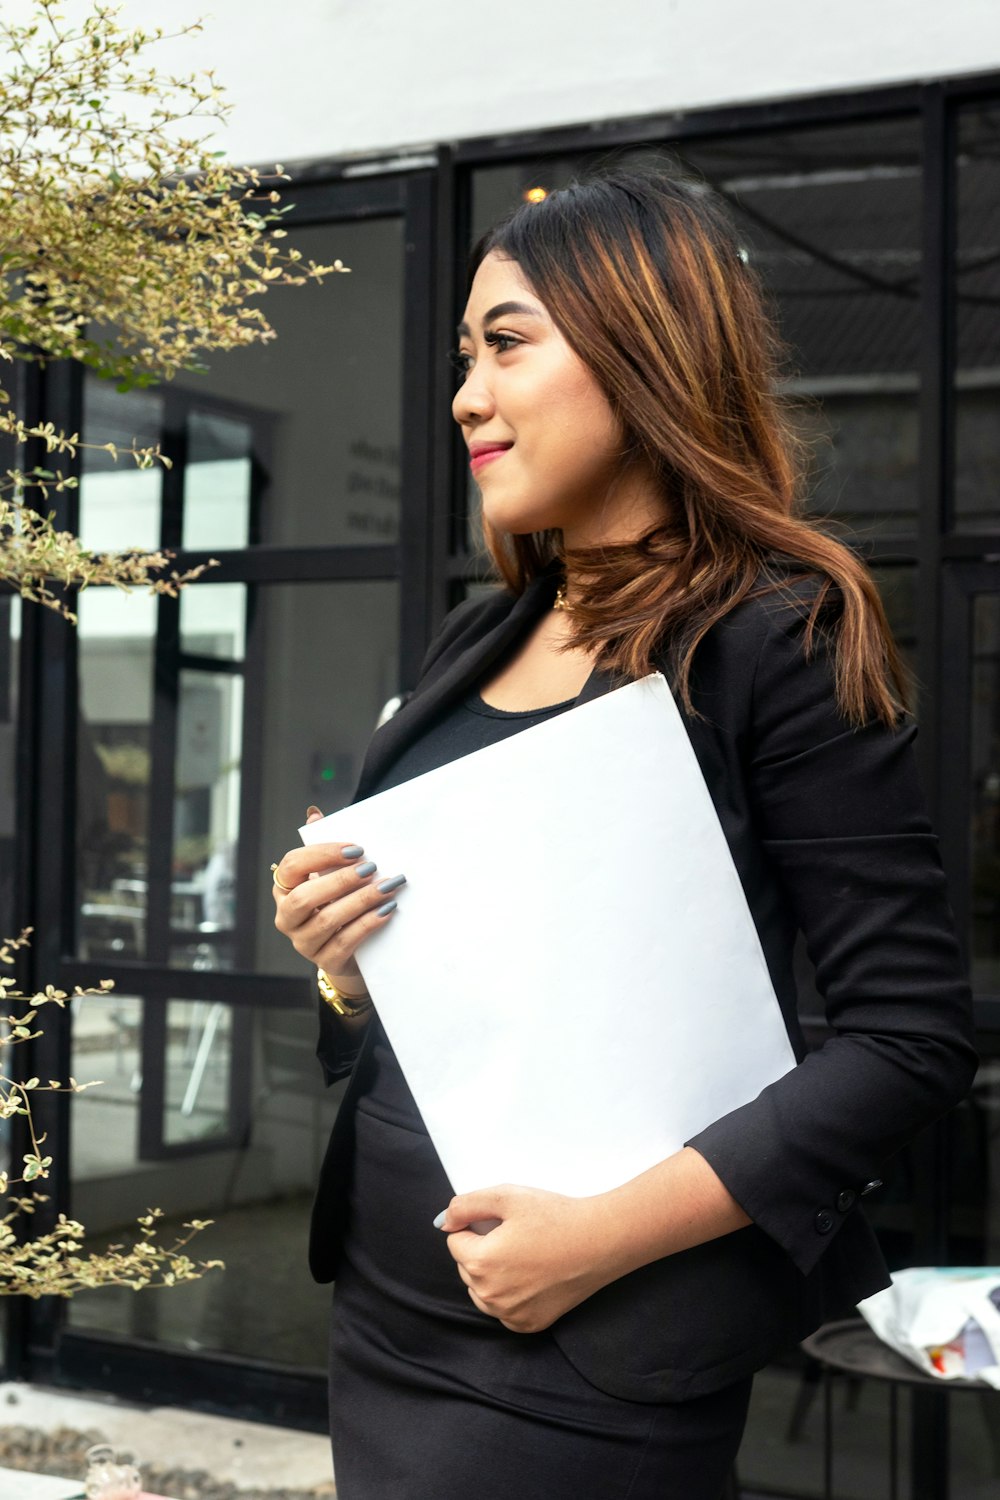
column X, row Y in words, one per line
column 111, row 1474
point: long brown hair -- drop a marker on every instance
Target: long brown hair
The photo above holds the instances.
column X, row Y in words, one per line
column 642, row 272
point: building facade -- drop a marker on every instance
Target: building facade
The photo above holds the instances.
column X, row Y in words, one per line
column 163, row 753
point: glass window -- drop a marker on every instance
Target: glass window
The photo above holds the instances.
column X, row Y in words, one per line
column 328, row 664
column 213, row 620
column 115, row 644
column 977, row 311
column 198, row 1071
column 119, row 503
column 107, row 1053
column 218, row 481
column 10, row 654
column 258, row 1192
column 322, row 400
column 897, row 586
column 831, row 220
column 206, row 819
column 985, row 785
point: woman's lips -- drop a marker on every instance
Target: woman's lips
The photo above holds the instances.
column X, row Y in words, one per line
column 486, row 455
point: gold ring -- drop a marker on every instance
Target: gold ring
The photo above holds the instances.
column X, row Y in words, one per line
column 279, row 883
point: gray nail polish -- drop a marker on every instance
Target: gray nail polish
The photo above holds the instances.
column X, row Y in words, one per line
column 386, row 908
column 391, row 885
column 439, row 1221
column 365, row 869
column 351, row 851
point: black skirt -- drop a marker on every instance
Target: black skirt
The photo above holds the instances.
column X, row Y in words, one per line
column 429, row 1396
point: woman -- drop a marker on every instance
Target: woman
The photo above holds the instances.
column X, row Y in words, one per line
column 639, row 502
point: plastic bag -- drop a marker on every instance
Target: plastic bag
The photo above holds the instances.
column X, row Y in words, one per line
column 943, row 1319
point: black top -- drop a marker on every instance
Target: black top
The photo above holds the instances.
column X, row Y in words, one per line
column 464, row 727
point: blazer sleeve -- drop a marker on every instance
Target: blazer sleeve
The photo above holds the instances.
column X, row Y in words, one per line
column 841, row 817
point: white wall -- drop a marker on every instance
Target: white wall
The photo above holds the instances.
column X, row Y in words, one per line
column 315, row 78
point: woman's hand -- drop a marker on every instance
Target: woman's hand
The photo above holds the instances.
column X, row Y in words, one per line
column 332, row 903
column 547, row 1253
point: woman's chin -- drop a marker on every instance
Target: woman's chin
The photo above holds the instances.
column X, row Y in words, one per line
column 518, row 520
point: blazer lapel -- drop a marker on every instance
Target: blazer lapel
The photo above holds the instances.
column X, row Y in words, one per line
column 453, row 677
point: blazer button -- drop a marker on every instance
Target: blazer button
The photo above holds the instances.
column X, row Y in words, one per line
column 870, row 1187
column 846, row 1200
column 824, row 1221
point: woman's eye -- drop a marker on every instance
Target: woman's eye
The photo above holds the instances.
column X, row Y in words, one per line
column 501, row 342
column 462, row 362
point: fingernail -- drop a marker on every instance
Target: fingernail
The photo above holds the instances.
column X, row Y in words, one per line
column 393, row 884
column 384, row 911
column 351, row 851
column 312, row 811
column 366, row 869
column 439, row 1221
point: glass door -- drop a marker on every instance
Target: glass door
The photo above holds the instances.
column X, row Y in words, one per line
column 193, row 734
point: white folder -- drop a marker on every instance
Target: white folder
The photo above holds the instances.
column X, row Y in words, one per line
column 572, row 982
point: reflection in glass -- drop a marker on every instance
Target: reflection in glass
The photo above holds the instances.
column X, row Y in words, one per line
column 985, row 782
column 897, row 585
column 263, row 1305
column 217, row 480
column 831, row 221
column 116, row 634
column 977, row 314
column 198, row 1061
column 206, row 819
column 119, row 503
column 327, row 393
column 213, row 620
column 328, row 664
column 10, row 653
column 107, row 1036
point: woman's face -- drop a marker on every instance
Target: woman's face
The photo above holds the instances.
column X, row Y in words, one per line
column 544, row 445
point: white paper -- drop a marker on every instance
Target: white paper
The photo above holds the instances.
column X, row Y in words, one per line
column 572, row 982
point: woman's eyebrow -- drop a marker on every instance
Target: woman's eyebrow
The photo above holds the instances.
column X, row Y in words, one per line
column 502, row 310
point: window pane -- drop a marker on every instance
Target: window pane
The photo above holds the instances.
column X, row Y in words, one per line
column 977, row 487
column 985, row 780
column 206, row 820
column 897, row 585
column 198, row 1062
column 213, row 620
column 107, row 1040
column 326, row 393
column 113, row 757
column 329, row 663
column 830, row 219
column 264, row 1305
column 119, row 503
column 10, row 655
column 218, row 474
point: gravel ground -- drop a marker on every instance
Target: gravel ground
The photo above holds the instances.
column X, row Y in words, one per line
column 62, row 1452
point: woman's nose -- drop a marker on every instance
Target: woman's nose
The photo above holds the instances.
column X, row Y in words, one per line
column 473, row 400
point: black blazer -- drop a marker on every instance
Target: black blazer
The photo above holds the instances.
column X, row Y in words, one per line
column 828, row 831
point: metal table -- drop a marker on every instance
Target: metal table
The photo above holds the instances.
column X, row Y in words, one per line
column 851, row 1348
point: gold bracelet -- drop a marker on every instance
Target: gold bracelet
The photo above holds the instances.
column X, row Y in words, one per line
column 341, row 1005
